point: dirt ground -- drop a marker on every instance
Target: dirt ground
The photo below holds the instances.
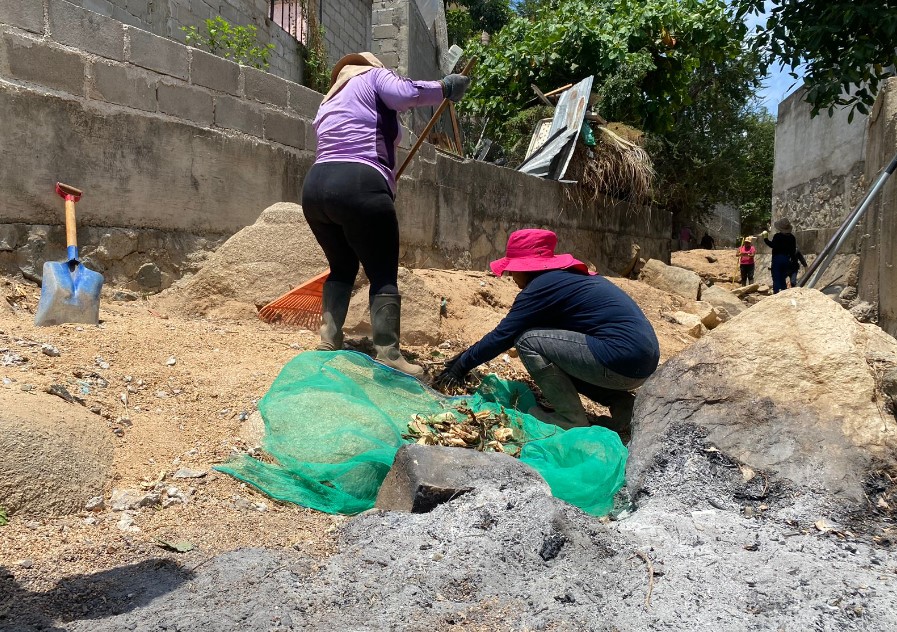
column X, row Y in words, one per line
column 175, row 393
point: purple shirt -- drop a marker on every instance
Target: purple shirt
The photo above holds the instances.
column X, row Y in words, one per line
column 361, row 122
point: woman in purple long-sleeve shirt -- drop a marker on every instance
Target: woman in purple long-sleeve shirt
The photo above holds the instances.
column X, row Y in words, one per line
column 348, row 195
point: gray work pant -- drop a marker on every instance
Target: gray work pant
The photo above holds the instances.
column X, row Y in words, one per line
column 569, row 351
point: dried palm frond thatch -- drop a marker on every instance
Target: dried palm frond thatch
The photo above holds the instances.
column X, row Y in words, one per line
column 616, row 166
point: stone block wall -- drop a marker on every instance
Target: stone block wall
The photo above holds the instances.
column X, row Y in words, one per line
column 347, row 27
column 188, row 145
column 168, row 17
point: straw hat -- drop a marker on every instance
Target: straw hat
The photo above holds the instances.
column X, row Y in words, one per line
column 749, row 239
column 349, row 66
column 783, row 225
column 532, row 250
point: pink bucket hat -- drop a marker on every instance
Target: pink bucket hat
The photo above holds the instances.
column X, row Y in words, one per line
column 532, row 250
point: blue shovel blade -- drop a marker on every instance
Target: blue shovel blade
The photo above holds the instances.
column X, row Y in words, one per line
column 70, row 294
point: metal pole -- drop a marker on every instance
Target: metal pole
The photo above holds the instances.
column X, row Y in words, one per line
column 825, row 258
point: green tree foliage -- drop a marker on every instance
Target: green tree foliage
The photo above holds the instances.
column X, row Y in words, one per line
column 701, row 160
column 467, row 18
column 676, row 69
column 642, row 53
column 846, row 46
column 238, row 43
column 753, row 194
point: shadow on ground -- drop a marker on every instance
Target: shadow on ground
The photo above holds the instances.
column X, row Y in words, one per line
column 95, row 596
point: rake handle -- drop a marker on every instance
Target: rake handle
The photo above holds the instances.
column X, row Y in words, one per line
column 423, row 135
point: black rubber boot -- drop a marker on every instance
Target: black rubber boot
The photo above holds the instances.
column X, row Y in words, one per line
column 386, row 310
column 558, row 388
column 335, row 300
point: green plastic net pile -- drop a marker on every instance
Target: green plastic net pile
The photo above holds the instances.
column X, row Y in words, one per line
column 334, row 421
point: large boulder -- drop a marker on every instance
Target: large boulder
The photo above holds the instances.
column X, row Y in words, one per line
column 718, row 297
column 258, row 264
column 671, row 279
column 55, row 456
column 420, row 311
column 788, row 387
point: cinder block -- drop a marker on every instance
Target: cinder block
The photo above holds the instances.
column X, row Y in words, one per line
column 186, row 102
column 128, row 18
column 24, row 15
column 40, row 63
column 140, row 8
column 284, row 129
column 304, row 101
column 265, row 87
column 214, row 72
column 159, row 54
column 311, row 138
column 423, row 477
column 123, row 85
column 86, row 30
column 103, row 7
column 234, row 113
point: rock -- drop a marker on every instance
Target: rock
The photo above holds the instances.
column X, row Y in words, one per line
column 95, row 504
column 711, row 317
column 149, row 276
column 253, row 430
column 124, row 296
column 888, row 384
column 423, row 477
column 864, row 312
column 770, row 400
column 116, row 244
column 847, row 295
column 258, row 264
column 55, row 456
column 126, row 524
column 26, row 563
column 12, row 236
column 711, row 258
column 696, row 328
column 764, row 289
column 420, row 311
column 49, row 350
column 188, row 473
column 718, row 297
column 671, row 279
column 747, row 289
column 125, row 500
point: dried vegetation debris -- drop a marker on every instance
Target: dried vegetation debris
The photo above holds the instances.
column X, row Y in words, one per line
column 484, row 431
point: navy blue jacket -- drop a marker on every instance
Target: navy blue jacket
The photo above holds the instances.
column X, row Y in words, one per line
column 620, row 336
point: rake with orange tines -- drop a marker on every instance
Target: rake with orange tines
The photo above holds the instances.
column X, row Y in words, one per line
column 302, row 306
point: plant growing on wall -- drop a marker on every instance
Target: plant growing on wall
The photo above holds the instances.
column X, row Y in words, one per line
column 238, row 43
column 317, row 71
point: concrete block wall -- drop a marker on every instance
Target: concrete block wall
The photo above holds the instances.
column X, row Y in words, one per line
column 189, row 143
column 168, row 17
column 347, row 27
column 818, row 173
column 161, row 135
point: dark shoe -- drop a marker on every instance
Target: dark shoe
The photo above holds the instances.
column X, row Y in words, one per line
column 335, row 301
column 386, row 310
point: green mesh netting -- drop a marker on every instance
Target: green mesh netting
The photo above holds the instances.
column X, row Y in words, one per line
column 334, row 421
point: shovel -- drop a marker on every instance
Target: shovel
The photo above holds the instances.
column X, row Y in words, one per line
column 70, row 293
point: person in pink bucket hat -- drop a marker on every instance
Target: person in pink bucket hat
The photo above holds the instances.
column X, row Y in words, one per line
column 574, row 332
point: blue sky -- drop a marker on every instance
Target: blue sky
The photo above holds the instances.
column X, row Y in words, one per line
column 778, row 84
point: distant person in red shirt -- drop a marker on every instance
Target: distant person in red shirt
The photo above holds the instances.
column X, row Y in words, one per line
column 746, row 254
column 685, row 238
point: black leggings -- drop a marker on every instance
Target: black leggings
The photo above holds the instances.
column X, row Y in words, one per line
column 350, row 210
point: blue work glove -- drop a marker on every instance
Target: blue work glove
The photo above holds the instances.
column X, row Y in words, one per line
column 454, row 87
column 452, row 376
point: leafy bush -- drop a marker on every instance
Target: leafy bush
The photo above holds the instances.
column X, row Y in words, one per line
column 237, row 43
